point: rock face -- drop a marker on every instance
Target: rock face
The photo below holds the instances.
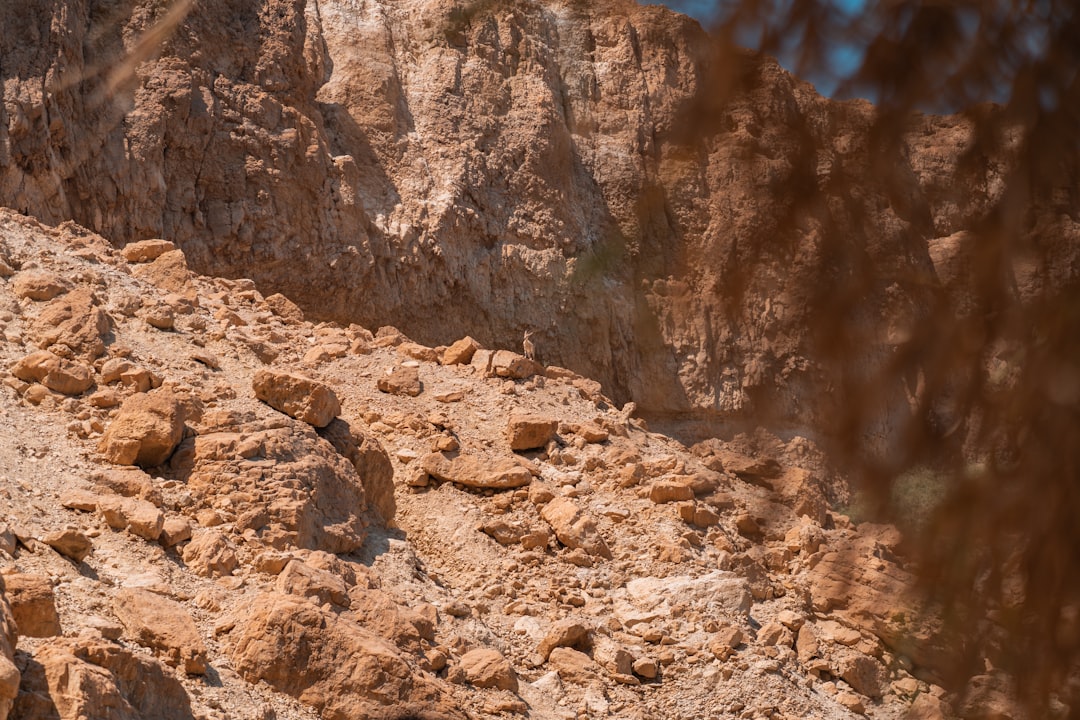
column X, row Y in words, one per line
column 460, row 173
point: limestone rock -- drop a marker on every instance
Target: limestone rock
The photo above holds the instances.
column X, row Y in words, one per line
column 299, row 578
column 73, row 323
column 297, row 396
column 574, row 527
column 146, row 430
column 401, row 380
column 77, row 679
column 487, row 668
column 526, row 432
column 665, row 491
column 58, row 374
column 164, row 626
column 569, row 632
column 210, row 554
column 38, row 285
column 302, row 495
column 460, row 352
column 328, row 662
column 174, row 530
column 507, row 364
column 70, row 543
column 573, row 665
column 371, row 462
column 716, row 594
column 145, row 251
column 33, row 604
column 139, row 517
column 476, row 472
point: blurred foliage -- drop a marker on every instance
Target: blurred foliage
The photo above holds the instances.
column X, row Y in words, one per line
column 997, row 530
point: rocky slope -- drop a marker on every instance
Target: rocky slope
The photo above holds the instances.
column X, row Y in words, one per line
column 213, row 508
column 482, row 169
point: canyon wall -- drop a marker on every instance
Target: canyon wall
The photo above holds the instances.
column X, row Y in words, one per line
column 576, row 169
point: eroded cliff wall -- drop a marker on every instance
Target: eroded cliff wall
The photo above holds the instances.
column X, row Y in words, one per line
column 485, row 168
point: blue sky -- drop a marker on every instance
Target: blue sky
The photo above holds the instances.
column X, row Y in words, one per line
column 843, row 59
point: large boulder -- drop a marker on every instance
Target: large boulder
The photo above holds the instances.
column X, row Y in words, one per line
column 329, row 662
column 146, row 430
column 73, row 324
column 529, row 431
column 574, row 527
column 76, row 679
column 33, row 604
column 477, row 472
column 297, row 396
column 164, row 626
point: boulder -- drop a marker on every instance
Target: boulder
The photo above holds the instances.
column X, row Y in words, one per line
column 329, row 662
column 139, row 517
column 297, row 396
column 78, row 679
column 477, row 472
column 73, row 324
column 209, row 554
column 568, row 632
column 461, row 352
column 529, row 431
column 147, row 429
column 487, row 668
column 70, row 543
column 299, row 578
column 144, row 251
column 56, row 373
column 507, row 364
column 33, row 604
column 401, row 380
column 38, row 285
column 574, row 527
column 371, row 462
column 162, row 625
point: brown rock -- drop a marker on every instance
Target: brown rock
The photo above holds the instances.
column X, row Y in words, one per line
column 139, row 517
column 665, row 491
column 574, row 527
column 525, row 432
column 461, row 352
column 863, row 673
column 328, row 662
column 129, row 482
column 285, row 308
column 174, row 530
column 57, row 374
column 33, row 604
column 401, row 380
column 70, row 543
column 371, row 462
column 928, row 707
column 573, row 666
column 507, row 364
column 299, row 578
column 168, row 271
column 38, row 285
column 418, row 352
column 164, row 626
column 487, row 668
column 146, row 430
column 852, row 702
column 73, row 323
column 297, row 396
column 80, row 679
column 568, row 632
column 476, row 472
column 145, row 251
column 210, row 554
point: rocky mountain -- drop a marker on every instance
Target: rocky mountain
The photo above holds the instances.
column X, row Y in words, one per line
column 449, row 168
column 269, row 447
